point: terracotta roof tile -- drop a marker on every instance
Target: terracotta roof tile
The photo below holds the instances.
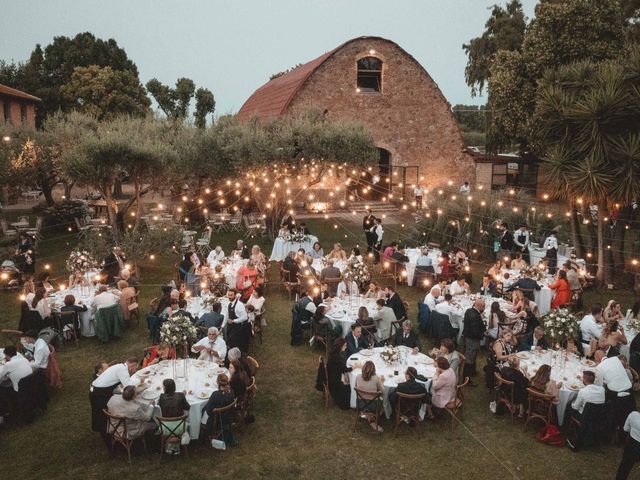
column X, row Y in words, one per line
column 12, row 92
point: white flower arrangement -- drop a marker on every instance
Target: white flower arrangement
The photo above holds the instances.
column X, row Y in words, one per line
column 357, row 271
column 560, row 324
column 534, row 272
column 390, row 355
column 295, row 237
column 178, row 331
column 80, row 261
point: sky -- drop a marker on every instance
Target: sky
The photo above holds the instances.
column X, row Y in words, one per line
column 232, row 46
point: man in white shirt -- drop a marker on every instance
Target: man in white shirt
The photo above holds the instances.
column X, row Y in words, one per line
column 377, row 233
column 632, row 448
column 39, row 349
column 591, row 393
column 103, row 298
column 611, row 374
column 521, row 241
column 215, row 256
column 591, row 325
column 450, row 311
column 459, row 287
column 212, row 348
column 465, row 188
column 551, row 249
column 433, row 298
column 417, row 191
column 15, row 369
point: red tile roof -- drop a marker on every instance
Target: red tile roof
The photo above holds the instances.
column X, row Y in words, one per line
column 274, row 96
column 12, row 92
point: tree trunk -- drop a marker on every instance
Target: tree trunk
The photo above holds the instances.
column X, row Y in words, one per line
column 68, row 186
column 47, row 192
column 112, row 212
column 117, row 188
column 600, row 272
column 576, row 237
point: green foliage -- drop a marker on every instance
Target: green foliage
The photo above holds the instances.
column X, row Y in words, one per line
column 105, row 93
column 59, row 217
column 205, row 104
column 174, row 102
column 470, row 118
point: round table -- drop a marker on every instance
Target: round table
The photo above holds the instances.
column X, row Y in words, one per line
column 282, row 247
column 344, row 312
column 198, row 385
column 197, row 307
column 413, row 254
column 84, row 296
column 566, row 370
column 423, row 364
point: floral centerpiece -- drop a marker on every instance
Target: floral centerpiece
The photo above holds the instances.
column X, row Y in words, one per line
column 390, row 355
column 178, row 331
column 633, row 324
column 357, row 271
column 80, row 260
column 297, row 237
column 560, row 324
column 534, row 272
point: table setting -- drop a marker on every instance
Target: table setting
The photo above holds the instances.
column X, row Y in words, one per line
column 392, row 370
column 84, row 296
column 343, row 312
column 198, row 306
column 413, row 254
column 195, row 378
column 292, row 243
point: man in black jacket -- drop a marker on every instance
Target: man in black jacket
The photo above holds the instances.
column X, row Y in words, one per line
column 533, row 341
column 395, row 302
column 474, row 330
column 355, row 340
column 527, row 285
column 368, row 222
column 406, row 337
column 113, row 264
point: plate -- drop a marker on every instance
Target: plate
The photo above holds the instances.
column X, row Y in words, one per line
column 425, row 361
column 574, row 386
column 220, row 370
column 151, row 393
column 523, row 355
column 367, row 352
column 588, row 363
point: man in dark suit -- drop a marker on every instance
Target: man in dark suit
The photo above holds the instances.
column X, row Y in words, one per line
column 113, row 265
column 410, row 386
column 214, row 318
column 368, row 223
column 330, row 275
column 355, row 340
column 395, row 302
column 474, row 330
column 527, row 285
column 533, row 341
column 406, row 337
column 242, row 250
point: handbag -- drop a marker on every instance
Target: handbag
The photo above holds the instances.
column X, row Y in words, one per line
column 550, row 435
column 218, row 444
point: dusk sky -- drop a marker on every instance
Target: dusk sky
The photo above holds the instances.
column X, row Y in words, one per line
column 233, row 46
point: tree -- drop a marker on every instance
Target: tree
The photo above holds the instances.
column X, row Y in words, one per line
column 46, row 71
column 174, row 102
column 105, row 93
column 503, row 31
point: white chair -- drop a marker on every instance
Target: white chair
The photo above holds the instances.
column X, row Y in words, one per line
column 5, row 229
column 35, row 232
column 82, row 229
column 202, row 244
column 235, row 223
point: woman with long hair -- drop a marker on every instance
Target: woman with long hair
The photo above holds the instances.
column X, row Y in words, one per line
column 337, row 378
column 562, row 289
column 239, row 381
column 39, row 303
column 613, row 337
column 370, row 385
column 542, row 382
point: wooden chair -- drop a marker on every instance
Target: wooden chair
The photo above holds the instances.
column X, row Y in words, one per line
column 504, row 393
column 134, row 308
column 460, row 372
column 454, row 406
column 216, row 421
column 289, row 286
column 371, row 406
column 540, row 407
column 254, row 364
column 171, row 430
column 408, row 406
column 325, row 381
column 245, row 405
column 256, row 328
column 117, row 431
column 63, row 319
column 576, row 299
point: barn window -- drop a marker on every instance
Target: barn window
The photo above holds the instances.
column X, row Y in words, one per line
column 369, row 74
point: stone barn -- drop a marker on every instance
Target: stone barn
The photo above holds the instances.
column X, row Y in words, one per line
column 373, row 80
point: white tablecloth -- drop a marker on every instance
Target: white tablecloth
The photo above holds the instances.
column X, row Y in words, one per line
column 568, row 371
column 542, row 297
column 422, row 363
column 198, row 385
column 344, row 312
column 84, row 295
column 197, row 308
column 281, row 247
column 413, row 254
column 319, row 263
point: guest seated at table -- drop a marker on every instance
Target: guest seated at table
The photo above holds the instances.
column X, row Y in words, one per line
column 212, row 348
column 42, row 280
column 331, row 274
column 364, row 319
column 518, row 263
column 562, row 296
column 218, row 282
column 338, row 381
column 172, row 404
column 40, row 304
column 347, row 288
column 284, row 231
column 542, row 382
column 234, row 354
column 355, row 255
column 496, row 317
column 433, row 297
column 78, row 279
column 246, row 280
column 443, row 387
column 103, row 298
column 215, row 256
column 527, row 284
column 495, row 272
column 241, row 250
column 448, row 350
column 138, row 414
column 590, row 393
column 373, row 291
column 410, row 386
column 238, row 380
column 533, row 341
column 613, row 337
column 257, row 299
column 394, row 301
column 399, row 256
column 355, row 340
column 168, row 311
column 158, row 353
column 302, row 228
column 211, row 319
column 591, row 325
column 424, row 263
column 370, row 386
column 128, row 276
column 290, row 267
column 14, row 369
column 186, row 266
column 164, row 301
column 511, row 372
column 383, row 318
column 220, row 398
column 29, row 290
column 36, row 350
column 503, row 348
column 571, row 345
column 126, row 294
column 631, row 373
column 451, row 311
column 70, row 305
column 407, row 337
column 259, row 259
column 182, row 311
column 488, row 286
column 321, row 323
column 316, row 251
column 459, row 287
column 337, row 253
column 612, row 312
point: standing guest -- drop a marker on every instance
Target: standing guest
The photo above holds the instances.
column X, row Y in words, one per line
column 632, row 448
column 417, row 192
column 443, row 386
column 220, row 398
column 172, row 404
column 395, row 302
column 336, row 373
column 355, row 341
column 542, row 382
column 521, row 242
column 474, row 330
column 126, row 294
column 611, row 374
column 370, row 386
column 551, row 247
column 383, row 319
column 506, row 244
column 589, row 394
column 39, row 350
column 331, row 274
column 215, row 256
column 238, row 328
column 563, row 291
column 488, row 286
column 533, row 341
column 213, row 348
column 368, row 222
column 378, row 233
column 113, row 264
column 407, row 337
column 102, row 390
column 15, row 368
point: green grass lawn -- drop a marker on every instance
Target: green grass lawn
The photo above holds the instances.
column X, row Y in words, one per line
column 294, row 434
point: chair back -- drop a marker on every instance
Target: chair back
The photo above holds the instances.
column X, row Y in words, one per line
column 409, row 404
column 153, row 304
column 219, row 416
column 504, row 387
column 254, row 364
column 368, row 401
column 116, row 427
column 462, row 361
column 172, row 427
column 323, row 379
